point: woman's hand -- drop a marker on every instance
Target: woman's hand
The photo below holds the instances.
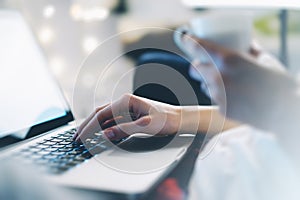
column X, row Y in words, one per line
column 245, row 90
column 131, row 114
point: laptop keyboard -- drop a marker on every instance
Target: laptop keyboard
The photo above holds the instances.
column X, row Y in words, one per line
column 59, row 153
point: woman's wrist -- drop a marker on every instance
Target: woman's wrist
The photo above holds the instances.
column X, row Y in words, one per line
column 205, row 119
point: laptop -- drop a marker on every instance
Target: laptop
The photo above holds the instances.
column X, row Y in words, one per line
column 37, row 126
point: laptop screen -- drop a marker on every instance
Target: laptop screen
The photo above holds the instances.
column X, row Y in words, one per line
column 30, row 98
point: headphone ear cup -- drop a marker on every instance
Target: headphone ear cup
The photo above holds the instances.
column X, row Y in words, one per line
column 149, row 76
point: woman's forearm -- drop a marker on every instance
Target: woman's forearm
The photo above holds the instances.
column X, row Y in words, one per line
column 205, row 119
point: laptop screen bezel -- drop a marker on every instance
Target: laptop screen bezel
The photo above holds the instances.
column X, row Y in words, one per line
column 38, row 129
column 50, row 125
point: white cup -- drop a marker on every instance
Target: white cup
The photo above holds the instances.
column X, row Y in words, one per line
column 230, row 29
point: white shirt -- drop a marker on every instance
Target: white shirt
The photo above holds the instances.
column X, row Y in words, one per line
column 244, row 164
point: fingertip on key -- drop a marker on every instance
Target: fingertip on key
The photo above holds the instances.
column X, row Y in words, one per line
column 109, row 134
column 75, row 136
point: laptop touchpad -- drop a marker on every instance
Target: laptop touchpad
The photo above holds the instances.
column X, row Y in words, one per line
column 144, row 143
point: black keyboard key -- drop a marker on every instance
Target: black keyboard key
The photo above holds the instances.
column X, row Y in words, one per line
column 48, row 143
column 63, row 137
column 86, row 154
column 43, row 153
column 69, row 146
column 49, row 156
column 69, row 140
column 61, row 160
column 50, row 149
column 64, row 149
column 69, row 134
column 73, row 163
column 58, row 146
column 42, row 146
column 79, row 158
column 57, row 153
column 65, row 142
column 75, row 152
column 73, row 130
column 76, row 144
column 80, row 149
column 67, row 156
column 57, row 140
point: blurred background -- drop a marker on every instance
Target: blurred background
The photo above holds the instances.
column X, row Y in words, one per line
column 69, row 30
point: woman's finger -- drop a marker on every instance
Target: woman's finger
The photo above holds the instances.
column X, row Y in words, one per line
column 86, row 121
column 117, row 120
column 122, row 130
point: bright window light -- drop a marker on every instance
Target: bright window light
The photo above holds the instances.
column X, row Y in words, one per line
column 89, row 43
column 88, row 14
column 46, row 35
column 49, row 11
